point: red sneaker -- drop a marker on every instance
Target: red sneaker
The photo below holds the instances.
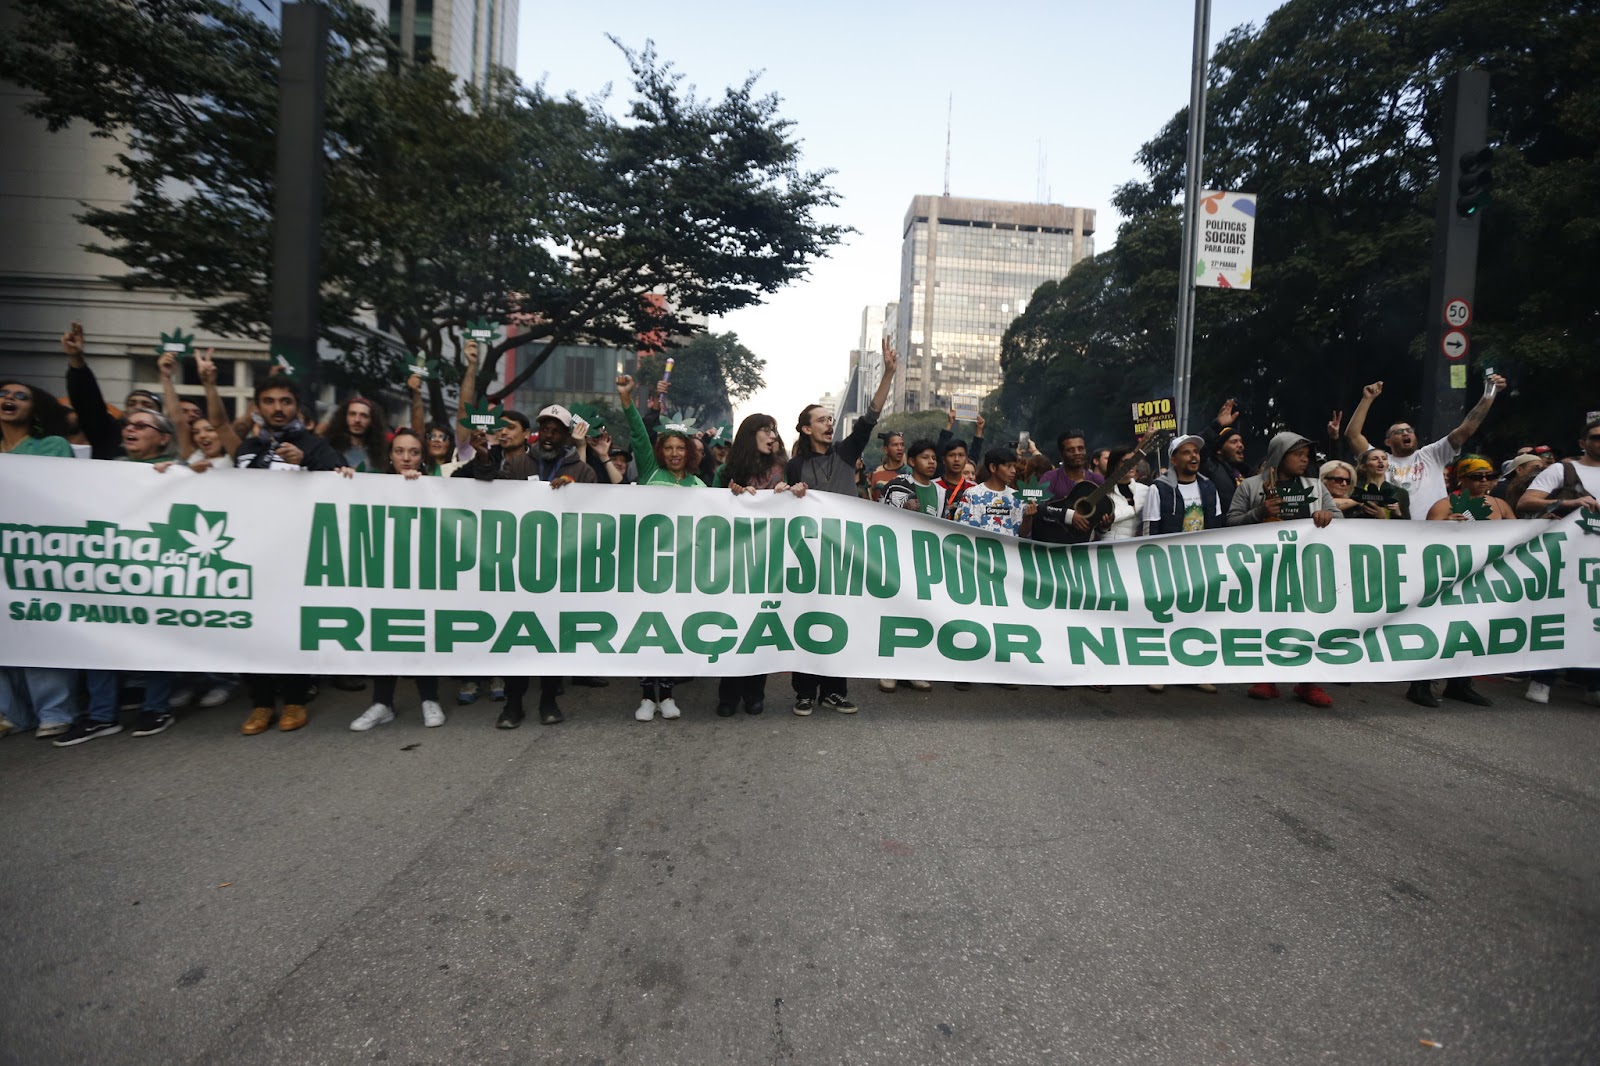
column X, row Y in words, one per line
column 1263, row 690
column 1313, row 695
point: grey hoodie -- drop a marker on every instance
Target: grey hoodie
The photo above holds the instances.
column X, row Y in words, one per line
column 1247, row 506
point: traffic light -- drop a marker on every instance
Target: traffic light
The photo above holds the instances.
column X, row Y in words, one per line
column 1474, row 180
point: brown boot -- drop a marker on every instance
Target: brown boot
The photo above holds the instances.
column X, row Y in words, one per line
column 259, row 720
column 294, row 716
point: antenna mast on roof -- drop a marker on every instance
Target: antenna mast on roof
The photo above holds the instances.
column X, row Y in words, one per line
column 1041, row 187
column 949, row 111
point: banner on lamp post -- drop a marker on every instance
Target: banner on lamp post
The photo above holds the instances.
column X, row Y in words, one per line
column 1225, row 250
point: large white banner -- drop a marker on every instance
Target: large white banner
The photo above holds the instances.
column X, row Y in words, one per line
column 114, row 565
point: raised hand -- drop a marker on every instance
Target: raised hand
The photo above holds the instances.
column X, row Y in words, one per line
column 72, row 341
column 470, row 352
column 167, row 363
column 890, row 359
column 1227, row 414
column 1334, row 423
column 1373, row 391
column 625, row 389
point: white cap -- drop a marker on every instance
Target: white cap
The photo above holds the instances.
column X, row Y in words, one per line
column 557, row 412
column 1172, row 449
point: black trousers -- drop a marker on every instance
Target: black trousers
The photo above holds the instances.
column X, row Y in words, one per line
column 265, row 688
column 752, row 690
column 815, row 686
column 383, row 689
column 517, row 687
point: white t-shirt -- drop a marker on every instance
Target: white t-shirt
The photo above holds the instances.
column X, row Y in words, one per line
column 1193, row 509
column 1421, row 474
column 1552, row 477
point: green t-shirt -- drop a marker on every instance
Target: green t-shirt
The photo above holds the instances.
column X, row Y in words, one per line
column 53, row 446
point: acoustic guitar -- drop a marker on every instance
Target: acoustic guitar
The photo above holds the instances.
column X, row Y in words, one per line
column 1053, row 522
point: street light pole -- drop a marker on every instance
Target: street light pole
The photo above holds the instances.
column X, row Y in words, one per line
column 1183, row 351
column 297, row 201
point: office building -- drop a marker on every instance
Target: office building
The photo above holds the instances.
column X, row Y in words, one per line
column 967, row 268
column 468, row 37
column 866, row 364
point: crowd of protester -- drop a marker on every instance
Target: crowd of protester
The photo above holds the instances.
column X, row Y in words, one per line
column 1115, row 492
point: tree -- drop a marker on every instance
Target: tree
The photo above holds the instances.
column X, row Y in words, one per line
column 539, row 213
column 1330, row 111
column 710, row 374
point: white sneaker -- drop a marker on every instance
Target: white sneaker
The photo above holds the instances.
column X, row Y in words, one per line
column 922, row 686
column 646, row 711
column 669, row 708
column 216, row 697
column 886, row 684
column 1538, row 692
column 432, row 713
column 53, row 729
column 377, row 714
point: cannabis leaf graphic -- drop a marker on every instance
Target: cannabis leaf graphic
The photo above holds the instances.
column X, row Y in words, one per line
column 1032, row 490
column 422, row 366
column 177, row 342
column 482, row 330
column 206, row 539
column 481, row 416
column 1589, row 521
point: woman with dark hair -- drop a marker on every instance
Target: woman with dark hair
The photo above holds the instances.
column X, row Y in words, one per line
column 407, row 457
column 671, row 460
column 756, row 458
column 358, row 432
column 1127, row 498
column 31, row 422
column 755, row 463
column 439, row 457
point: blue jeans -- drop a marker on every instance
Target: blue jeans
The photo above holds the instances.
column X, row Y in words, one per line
column 104, row 697
column 32, row 696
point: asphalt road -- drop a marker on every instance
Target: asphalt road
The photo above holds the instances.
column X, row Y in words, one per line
column 993, row 876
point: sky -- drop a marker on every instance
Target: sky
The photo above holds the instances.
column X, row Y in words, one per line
column 867, row 86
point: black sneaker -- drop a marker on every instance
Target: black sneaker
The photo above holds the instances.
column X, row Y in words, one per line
column 551, row 715
column 838, row 703
column 726, row 710
column 755, row 708
column 510, row 717
column 150, row 723
column 83, row 730
column 802, row 706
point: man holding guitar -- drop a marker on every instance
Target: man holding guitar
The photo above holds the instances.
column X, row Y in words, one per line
column 1087, row 507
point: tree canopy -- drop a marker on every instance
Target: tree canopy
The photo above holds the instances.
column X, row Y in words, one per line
column 540, row 212
column 1331, row 112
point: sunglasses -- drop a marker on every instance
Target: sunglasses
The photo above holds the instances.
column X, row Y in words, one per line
column 20, row 394
column 437, row 436
column 1477, row 477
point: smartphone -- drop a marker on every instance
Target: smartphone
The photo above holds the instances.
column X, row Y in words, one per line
column 1022, row 440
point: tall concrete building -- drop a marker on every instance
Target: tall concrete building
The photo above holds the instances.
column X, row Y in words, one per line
column 468, row 37
column 967, row 268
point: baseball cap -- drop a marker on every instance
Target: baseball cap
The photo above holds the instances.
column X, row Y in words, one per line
column 557, row 412
column 1177, row 442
